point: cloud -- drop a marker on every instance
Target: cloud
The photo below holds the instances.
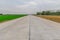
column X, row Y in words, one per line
column 28, row 6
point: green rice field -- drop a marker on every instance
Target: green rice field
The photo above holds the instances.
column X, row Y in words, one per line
column 10, row 17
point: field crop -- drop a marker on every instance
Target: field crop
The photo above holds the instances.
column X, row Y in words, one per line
column 10, row 17
column 50, row 17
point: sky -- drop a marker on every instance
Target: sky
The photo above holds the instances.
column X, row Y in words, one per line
column 28, row 6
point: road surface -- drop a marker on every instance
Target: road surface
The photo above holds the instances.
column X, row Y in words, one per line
column 42, row 29
column 17, row 29
column 30, row 28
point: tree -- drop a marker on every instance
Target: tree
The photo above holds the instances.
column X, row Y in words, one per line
column 48, row 13
column 43, row 13
column 58, row 12
column 38, row 13
column 0, row 13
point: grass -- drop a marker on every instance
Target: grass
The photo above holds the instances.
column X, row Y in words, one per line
column 51, row 17
column 10, row 17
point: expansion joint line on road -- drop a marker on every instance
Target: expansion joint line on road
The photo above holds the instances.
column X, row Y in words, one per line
column 29, row 27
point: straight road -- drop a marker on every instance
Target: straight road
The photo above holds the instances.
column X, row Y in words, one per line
column 30, row 28
column 17, row 29
column 42, row 29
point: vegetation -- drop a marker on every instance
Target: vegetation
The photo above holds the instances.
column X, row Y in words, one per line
column 51, row 15
column 52, row 18
column 48, row 13
column 10, row 17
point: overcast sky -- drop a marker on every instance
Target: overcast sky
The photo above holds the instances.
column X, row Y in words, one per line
column 28, row 6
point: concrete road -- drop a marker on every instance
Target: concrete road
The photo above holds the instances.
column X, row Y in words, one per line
column 42, row 29
column 17, row 29
column 30, row 28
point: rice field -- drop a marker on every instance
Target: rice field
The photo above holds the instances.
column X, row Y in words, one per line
column 51, row 17
column 10, row 17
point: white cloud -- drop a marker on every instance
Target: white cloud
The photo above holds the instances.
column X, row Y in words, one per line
column 32, row 3
column 28, row 6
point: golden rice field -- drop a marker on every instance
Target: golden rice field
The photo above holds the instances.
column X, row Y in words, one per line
column 53, row 18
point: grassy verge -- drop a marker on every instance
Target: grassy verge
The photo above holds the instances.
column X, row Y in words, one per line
column 51, row 17
column 10, row 17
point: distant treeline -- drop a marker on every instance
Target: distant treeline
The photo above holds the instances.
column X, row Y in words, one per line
column 48, row 13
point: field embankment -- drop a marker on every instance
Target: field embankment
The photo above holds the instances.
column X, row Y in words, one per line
column 10, row 17
column 51, row 17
